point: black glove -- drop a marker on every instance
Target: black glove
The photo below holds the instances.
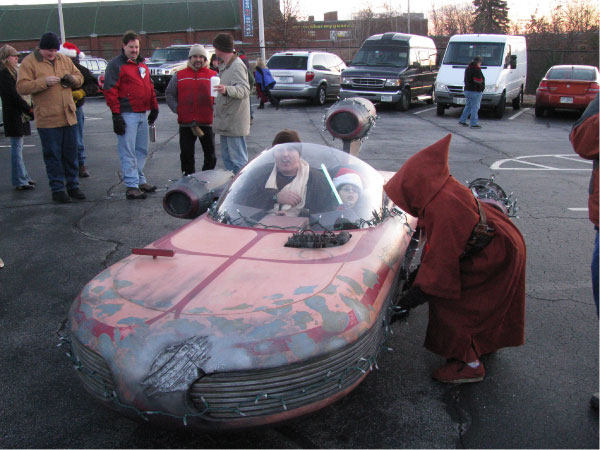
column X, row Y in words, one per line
column 152, row 116
column 118, row 124
column 68, row 81
column 413, row 298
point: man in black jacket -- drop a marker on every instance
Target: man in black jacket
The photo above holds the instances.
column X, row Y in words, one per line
column 88, row 88
column 474, row 86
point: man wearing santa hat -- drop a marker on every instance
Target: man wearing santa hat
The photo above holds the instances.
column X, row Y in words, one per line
column 87, row 89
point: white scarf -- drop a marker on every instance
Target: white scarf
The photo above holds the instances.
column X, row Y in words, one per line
column 297, row 185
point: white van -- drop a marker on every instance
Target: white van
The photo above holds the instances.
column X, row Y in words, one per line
column 504, row 66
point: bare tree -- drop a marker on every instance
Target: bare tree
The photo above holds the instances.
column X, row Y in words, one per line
column 452, row 19
column 580, row 16
column 285, row 29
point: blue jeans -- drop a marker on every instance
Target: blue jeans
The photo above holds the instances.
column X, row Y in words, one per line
column 472, row 107
column 234, row 152
column 133, row 148
column 595, row 271
column 18, row 172
column 79, row 135
column 59, row 146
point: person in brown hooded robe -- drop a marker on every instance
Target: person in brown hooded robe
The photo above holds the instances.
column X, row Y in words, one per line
column 476, row 301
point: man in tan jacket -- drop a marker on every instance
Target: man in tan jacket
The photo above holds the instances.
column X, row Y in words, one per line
column 49, row 78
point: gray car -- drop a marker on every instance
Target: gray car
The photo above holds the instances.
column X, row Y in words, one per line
column 315, row 76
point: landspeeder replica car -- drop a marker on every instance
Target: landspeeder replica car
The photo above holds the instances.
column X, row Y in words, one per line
column 247, row 316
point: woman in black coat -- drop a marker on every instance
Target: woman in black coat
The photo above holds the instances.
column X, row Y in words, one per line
column 16, row 114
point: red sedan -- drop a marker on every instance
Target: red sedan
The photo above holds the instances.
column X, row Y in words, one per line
column 569, row 87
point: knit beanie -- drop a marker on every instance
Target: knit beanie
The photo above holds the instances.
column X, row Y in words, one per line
column 49, row 41
column 71, row 50
column 286, row 136
column 348, row 176
column 198, row 49
column 7, row 51
column 223, row 42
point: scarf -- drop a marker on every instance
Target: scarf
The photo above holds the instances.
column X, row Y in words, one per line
column 297, row 185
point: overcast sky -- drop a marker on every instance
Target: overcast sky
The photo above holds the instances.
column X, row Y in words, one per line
column 518, row 9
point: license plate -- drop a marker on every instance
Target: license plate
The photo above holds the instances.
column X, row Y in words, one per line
column 386, row 98
column 566, row 99
column 284, row 79
column 460, row 101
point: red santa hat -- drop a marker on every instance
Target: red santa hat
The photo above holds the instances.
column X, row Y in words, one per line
column 348, row 176
column 71, row 50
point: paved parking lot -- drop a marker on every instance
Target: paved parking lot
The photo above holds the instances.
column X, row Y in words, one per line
column 534, row 396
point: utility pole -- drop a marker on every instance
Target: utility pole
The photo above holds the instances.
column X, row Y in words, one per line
column 261, row 30
column 408, row 16
column 61, row 22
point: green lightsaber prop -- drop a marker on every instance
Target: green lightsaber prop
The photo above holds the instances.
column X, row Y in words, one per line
column 330, row 181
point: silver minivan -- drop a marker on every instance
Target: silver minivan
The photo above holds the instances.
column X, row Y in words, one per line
column 315, row 76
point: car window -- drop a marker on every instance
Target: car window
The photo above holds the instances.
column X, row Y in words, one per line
column 319, row 60
column 249, row 200
column 102, row 65
column 570, row 73
column 93, row 65
column 382, row 56
column 170, row 54
column 288, row 62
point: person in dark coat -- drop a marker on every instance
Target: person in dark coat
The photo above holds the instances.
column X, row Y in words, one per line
column 264, row 83
column 87, row 89
column 476, row 298
column 474, row 86
column 16, row 114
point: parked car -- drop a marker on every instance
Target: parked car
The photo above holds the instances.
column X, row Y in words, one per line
column 314, row 76
column 241, row 318
column 504, row 66
column 165, row 62
column 393, row 68
column 567, row 87
column 97, row 66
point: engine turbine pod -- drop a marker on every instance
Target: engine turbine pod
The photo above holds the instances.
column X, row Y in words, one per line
column 351, row 118
column 192, row 195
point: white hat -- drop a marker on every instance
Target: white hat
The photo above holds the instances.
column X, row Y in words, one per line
column 197, row 49
column 348, row 176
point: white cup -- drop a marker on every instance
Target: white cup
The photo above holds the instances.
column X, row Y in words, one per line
column 214, row 82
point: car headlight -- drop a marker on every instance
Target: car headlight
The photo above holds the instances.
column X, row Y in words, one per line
column 490, row 89
column 346, row 80
column 393, row 82
column 441, row 87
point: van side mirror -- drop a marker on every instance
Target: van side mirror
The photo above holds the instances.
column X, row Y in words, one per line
column 513, row 61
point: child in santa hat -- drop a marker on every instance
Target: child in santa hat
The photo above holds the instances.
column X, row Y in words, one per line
column 349, row 186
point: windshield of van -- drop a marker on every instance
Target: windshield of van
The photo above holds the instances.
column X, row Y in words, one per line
column 462, row 53
column 381, row 56
column 173, row 54
column 288, row 62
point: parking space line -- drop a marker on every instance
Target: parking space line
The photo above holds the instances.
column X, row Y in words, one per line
column 425, row 110
column 577, row 209
column 514, row 116
column 8, row 146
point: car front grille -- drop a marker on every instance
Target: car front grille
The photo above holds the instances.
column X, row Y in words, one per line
column 455, row 89
column 234, row 395
column 368, row 82
column 154, row 72
column 93, row 370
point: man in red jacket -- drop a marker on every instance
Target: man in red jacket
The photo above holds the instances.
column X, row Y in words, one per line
column 129, row 93
column 475, row 287
column 188, row 96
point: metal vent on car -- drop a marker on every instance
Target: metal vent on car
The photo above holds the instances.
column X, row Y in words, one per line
column 236, row 395
column 368, row 82
column 94, row 371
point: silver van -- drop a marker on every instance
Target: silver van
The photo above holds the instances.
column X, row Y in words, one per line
column 315, row 76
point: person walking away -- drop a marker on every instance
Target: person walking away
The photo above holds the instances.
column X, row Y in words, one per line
column 16, row 114
column 188, row 96
column 474, row 86
column 251, row 80
column 50, row 78
column 87, row 89
column 264, row 83
column 129, row 93
column 584, row 138
column 232, row 110
column 473, row 272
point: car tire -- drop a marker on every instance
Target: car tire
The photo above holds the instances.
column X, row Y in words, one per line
column 431, row 101
column 404, row 101
column 440, row 109
column 499, row 110
column 539, row 111
column 516, row 103
column 321, row 96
